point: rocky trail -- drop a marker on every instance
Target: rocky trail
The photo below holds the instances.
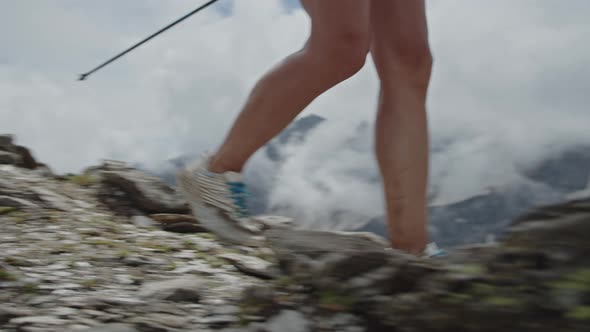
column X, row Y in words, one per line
column 115, row 250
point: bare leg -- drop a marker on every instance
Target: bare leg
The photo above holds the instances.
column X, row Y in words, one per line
column 336, row 50
column 403, row 61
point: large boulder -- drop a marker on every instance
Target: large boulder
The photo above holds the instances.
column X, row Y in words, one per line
column 17, row 155
column 147, row 193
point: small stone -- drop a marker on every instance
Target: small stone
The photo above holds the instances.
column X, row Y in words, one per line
column 16, row 202
column 124, row 279
column 288, row 321
column 219, row 320
column 82, row 264
column 113, row 328
column 171, row 218
column 251, row 265
column 57, row 266
column 225, row 310
column 143, row 221
column 185, row 289
column 184, row 227
column 64, row 311
column 9, row 158
column 7, row 313
column 41, row 320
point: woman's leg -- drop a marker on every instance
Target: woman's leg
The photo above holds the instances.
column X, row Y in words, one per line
column 336, row 49
column 402, row 57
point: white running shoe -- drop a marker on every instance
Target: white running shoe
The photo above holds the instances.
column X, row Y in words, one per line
column 218, row 202
column 432, row 251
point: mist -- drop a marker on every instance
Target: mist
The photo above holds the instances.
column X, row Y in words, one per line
column 508, row 89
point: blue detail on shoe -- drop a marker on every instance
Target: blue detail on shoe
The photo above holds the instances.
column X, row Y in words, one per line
column 239, row 194
column 433, row 251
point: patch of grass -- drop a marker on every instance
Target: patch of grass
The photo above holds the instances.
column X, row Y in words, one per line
column 19, row 217
column 456, row 298
column 471, row 269
column 172, row 266
column 208, row 236
column 580, row 313
column 103, row 242
column 7, row 209
column 189, row 245
column 578, row 280
column 483, row 289
column 158, row 247
column 90, row 232
column 6, row 276
column 269, row 257
column 84, row 180
column 502, row 301
column 89, row 283
column 16, row 261
column 30, row 288
column 284, row 281
column 122, row 254
column 337, row 301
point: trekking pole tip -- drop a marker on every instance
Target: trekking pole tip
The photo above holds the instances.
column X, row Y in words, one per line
column 82, row 77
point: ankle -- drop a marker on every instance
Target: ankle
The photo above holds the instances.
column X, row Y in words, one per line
column 412, row 247
column 216, row 165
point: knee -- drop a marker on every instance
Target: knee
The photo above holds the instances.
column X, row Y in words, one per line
column 342, row 55
column 409, row 63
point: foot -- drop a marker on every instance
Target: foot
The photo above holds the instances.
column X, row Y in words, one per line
column 433, row 251
column 218, row 201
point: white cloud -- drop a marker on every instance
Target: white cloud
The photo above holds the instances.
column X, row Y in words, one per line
column 510, row 79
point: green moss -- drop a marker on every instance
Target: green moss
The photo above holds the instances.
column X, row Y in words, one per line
column 16, row 261
column 502, row 301
column 89, row 283
column 103, row 242
column 172, row 266
column 578, row 280
column 64, row 248
column 30, row 288
column 334, row 300
column 208, row 236
column 122, row 254
column 90, row 232
column 483, row 289
column 7, row 209
column 472, row 269
column 456, row 298
column 6, row 276
column 266, row 256
column 214, row 262
column 158, row 247
column 84, row 180
column 580, row 313
column 19, row 217
column 284, row 281
column 189, row 245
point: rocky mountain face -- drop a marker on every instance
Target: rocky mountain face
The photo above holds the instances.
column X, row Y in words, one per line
column 116, row 250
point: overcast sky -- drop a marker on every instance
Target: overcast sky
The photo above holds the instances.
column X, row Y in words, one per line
column 510, row 82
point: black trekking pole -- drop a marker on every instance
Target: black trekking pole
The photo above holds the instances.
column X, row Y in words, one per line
column 83, row 76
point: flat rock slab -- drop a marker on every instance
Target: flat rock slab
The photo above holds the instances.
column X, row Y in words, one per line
column 185, row 289
column 173, row 218
column 112, row 328
column 253, row 266
column 16, row 202
column 150, row 194
column 184, row 227
column 314, row 243
column 9, row 158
